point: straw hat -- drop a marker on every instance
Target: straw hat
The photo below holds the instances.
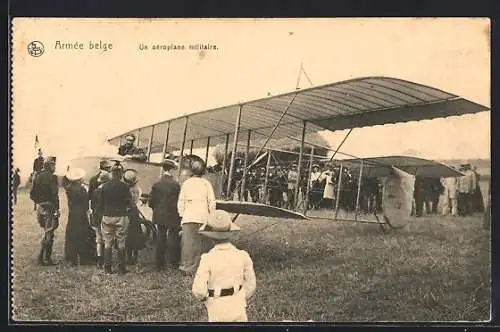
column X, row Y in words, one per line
column 130, row 176
column 219, row 226
column 75, row 174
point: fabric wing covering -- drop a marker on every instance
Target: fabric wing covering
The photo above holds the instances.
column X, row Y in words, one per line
column 257, row 209
column 382, row 166
column 354, row 103
column 397, row 197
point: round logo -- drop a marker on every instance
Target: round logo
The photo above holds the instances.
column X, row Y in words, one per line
column 35, row 48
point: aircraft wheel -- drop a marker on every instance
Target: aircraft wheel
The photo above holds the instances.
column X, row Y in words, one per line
column 395, row 223
column 149, row 231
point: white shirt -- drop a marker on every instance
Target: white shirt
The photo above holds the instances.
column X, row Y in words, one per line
column 196, row 200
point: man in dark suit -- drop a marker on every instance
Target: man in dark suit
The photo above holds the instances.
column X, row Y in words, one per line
column 163, row 201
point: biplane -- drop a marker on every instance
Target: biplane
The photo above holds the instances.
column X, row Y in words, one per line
column 354, row 103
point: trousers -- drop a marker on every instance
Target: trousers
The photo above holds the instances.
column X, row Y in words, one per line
column 114, row 229
column 227, row 308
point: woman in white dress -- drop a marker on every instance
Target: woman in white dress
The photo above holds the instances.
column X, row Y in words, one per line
column 329, row 192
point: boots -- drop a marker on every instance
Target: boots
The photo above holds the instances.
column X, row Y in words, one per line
column 41, row 255
column 100, row 257
column 108, row 255
column 121, row 261
column 48, row 253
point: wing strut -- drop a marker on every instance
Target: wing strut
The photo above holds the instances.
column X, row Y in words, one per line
column 337, row 199
column 299, row 168
column 164, row 151
column 306, row 199
column 183, row 145
column 359, row 189
column 233, row 152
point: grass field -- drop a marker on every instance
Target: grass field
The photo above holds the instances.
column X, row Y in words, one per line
column 435, row 269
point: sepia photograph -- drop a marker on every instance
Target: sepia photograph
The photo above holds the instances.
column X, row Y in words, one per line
column 250, row 170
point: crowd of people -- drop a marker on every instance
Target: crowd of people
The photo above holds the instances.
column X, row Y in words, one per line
column 460, row 195
column 323, row 188
column 193, row 236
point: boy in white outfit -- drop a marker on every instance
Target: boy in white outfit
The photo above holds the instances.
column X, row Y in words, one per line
column 225, row 278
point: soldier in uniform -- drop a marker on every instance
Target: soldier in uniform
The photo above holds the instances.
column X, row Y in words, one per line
column 38, row 164
column 115, row 204
column 130, row 151
column 45, row 195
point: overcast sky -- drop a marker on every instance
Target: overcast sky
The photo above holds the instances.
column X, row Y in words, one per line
column 80, row 97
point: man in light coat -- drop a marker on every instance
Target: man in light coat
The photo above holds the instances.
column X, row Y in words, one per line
column 196, row 203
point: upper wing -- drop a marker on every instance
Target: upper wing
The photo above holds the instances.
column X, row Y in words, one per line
column 354, row 103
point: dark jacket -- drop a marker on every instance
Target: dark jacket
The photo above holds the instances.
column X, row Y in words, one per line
column 135, row 152
column 38, row 165
column 93, row 184
column 78, row 237
column 163, row 201
column 95, row 205
column 45, row 189
column 115, row 200
column 16, row 181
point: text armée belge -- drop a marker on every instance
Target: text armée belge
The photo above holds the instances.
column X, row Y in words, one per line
column 91, row 45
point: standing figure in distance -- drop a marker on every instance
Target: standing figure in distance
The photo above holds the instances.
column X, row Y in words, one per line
column 225, row 279
column 450, row 202
column 16, row 181
column 163, row 200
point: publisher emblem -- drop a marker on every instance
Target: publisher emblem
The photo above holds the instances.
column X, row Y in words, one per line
column 35, row 48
